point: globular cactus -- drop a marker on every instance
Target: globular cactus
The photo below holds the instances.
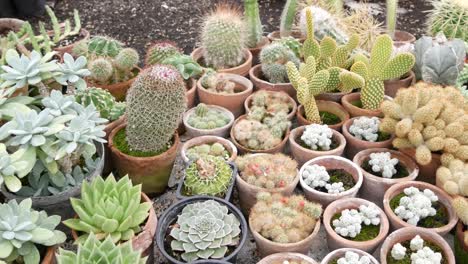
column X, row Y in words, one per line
column 102, row 46
column 292, row 43
column 216, row 149
column 273, row 59
column 127, row 59
column 156, row 101
column 213, row 82
column 208, row 175
column 254, row 24
column 159, row 51
column 205, row 117
column 454, row 177
column 223, row 38
column 104, row 102
column 271, row 103
column 325, row 24
column 283, row 219
column 449, row 17
column 460, row 205
column 101, row 70
column 109, row 70
column 362, row 23
column 287, row 17
column 462, row 82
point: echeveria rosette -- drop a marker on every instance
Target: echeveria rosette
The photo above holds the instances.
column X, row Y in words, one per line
column 59, row 104
column 10, row 106
column 109, row 207
column 72, row 71
column 15, row 166
column 205, row 230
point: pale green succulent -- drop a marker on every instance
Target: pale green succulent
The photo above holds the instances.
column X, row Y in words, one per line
column 109, row 207
column 92, row 250
column 187, row 67
column 31, row 128
column 59, row 104
column 205, row 230
column 22, row 228
column 73, row 71
column 9, row 106
column 14, row 166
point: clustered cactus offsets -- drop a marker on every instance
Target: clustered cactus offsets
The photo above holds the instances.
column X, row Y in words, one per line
column 271, row 103
column 284, row 219
column 454, row 177
column 268, row 171
column 216, row 149
column 460, row 205
column 212, row 82
column 273, row 59
column 206, row 117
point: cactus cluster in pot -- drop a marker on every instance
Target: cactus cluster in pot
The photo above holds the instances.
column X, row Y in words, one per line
column 415, row 251
column 216, row 149
column 212, row 82
column 159, row 51
column 460, row 205
column 271, row 103
column 453, row 177
column 205, row 117
column 104, row 102
column 273, row 59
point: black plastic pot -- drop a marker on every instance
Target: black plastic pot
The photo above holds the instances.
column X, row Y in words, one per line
column 210, row 262
column 170, row 215
column 227, row 197
column 21, row 8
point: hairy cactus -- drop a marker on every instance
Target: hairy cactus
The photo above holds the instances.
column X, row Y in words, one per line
column 104, row 102
column 284, row 219
column 223, row 38
column 449, row 17
column 454, row 177
column 268, row 171
column 208, row 175
column 254, row 24
column 362, row 23
column 213, row 82
column 216, row 149
column 273, row 59
column 325, row 24
column 159, row 51
column 287, row 17
column 439, row 61
column 460, row 205
column 100, row 46
column 156, row 101
column 205, row 117
column 271, row 103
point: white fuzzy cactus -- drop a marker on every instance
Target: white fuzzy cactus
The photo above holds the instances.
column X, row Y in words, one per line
column 426, row 256
column 335, row 188
column 324, row 25
column 365, row 128
column 398, row 251
column 382, row 162
column 416, row 205
column 370, row 215
column 315, row 176
column 353, row 258
column 349, row 223
column 416, row 243
column 317, row 137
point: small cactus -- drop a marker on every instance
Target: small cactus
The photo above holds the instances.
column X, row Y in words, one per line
column 216, row 149
column 101, row 46
column 127, row 59
column 325, row 24
column 454, row 177
column 254, row 24
column 271, row 103
column 101, row 70
column 287, row 17
column 106, row 69
column 159, row 51
column 392, row 6
column 104, row 102
column 449, row 17
column 205, row 117
column 208, row 175
column 273, row 59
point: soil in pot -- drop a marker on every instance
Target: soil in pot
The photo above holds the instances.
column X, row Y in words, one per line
column 402, row 171
column 407, row 258
column 329, row 118
column 69, row 40
column 368, row 232
column 339, row 175
column 334, row 143
column 121, row 143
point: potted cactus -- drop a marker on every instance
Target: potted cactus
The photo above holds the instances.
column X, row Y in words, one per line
column 399, row 37
column 448, row 17
column 460, row 205
column 271, row 102
column 284, row 223
column 115, row 196
column 208, row 145
column 155, row 103
column 190, row 213
column 288, row 16
column 204, row 120
column 255, row 39
column 208, row 175
column 452, row 177
column 308, row 142
column 349, row 255
column 223, row 42
column 287, row 257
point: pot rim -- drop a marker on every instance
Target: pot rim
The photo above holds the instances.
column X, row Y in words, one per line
column 346, row 102
column 295, row 33
column 348, row 134
column 294, row 134
column 207, row 139
column 290, row 114
column 247, row 55
column 253, row 74
column 244, row 82
column 83, row 32
column 262, row 43
column 341, row 251
column 287, row 255
column 188, row 113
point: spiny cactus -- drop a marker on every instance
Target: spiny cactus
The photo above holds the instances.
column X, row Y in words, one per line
column 254, row 24
column 379, row 68
column 101, row 46
column 325, row 24
column 362, row 23
column 127, row 59
column 284, row 219
column 287, row 17
column 104, row 102
column 159, row 51
column 271, row 103
column 206, row 117
column 392, row 6
column 449, row 17
column 216, row 149
column 101, row 70
column 462, row 82
column 208, row 175
column 454, row 177
column 460, row 205
column 223, row 37
column 273, row 59
column 292, row 43
column 156, row 101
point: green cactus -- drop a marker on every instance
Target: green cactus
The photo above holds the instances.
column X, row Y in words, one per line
column 186, row 65
column 325, row 24
column 293, row 44
column 156, row 101
column 273, row 59
column 287, row 17
column 206, row 117
column 462, row 82
column 104, row 102
column 392, row 6
column 127, row 59
column 254, row 24
column 223, row 38
column 159, row 51
column 101, row 46
column 101, row 70
column 216, row 149
column 449, row 17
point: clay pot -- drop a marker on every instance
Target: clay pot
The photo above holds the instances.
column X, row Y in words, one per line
column 355, row 111
column 118, row 90
column 232, row 102
column 461, row 249
column 152, row 172
column 257, row 78
column 334, row 97
column 219, row 131
column 326, row 106
column 444, row 198
column 256, row 51
column 336, row 241
column 392, row 86
column 10, row 24
column 191, row 93
column 354, row 145
column 427, row 173
column 49, row 257
column 302, row 154
column 248, row 193
column 242, row 69
column 339, row 253
column 402, row 37
column 196, row 141
column 84, row 34
column 242, row 150
column 374, row 187
column 108, row 159
column 144, row 240
column 330, row 163
column 280, row 257
column 408, row 233
column 267, row 247
column 248, row 103
column 275, row 35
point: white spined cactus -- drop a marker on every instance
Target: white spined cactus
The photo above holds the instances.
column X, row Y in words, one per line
column 365, row 128
column 398, row 252
column 353, row 258
column 335, row 188
column 317, row 137
column 325, row 24
column 369, row 214
column 426, row 256
column 315, row 176
column 382, row 162
column 416, row 243
column 416, row 205
column 349, row 223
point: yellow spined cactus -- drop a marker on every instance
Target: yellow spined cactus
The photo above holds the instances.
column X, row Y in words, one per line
column 454, row 177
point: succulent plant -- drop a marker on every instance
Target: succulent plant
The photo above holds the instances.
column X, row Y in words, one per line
column 362, row 23
column 73, row 71
column 383, row 163
column 460, row 205
column 22, row 229
column 284, row 219
column 205, row 117
column 287, row 17
column 205, row 230
column 454, row 177
column 268, row 171
column 101, row 46
column 416, row 205
column 160, row 51
column 208, row 175
column 109, row 208
column 187, row 67
column 462, row 82
column 271, row 103
column 114, row 69
column 9, row 106
column 253, row 22
column 104, row 102
column 392, row 6
column 106, row 252
column 216, row 149
column 365, row 128
column 325, row 24
column 273, row 59
column 293, row 44
column 449, row 17
column 317, row 137
column 213, row 82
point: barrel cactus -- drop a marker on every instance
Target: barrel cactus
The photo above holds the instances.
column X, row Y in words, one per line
column 197, row 231
column 273, row 59
column 155, row 103
column 449, row 17
column 104, row 46
column 104, row 102
column 208, row 175
column 159, row 51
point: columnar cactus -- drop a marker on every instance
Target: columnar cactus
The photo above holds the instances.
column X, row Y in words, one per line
column 449, row 17
column 287, row 17
column 156, row 101
column 273, row 59
column 254, row 24
column 392, row 6
column 223, row 38
column 159, row 51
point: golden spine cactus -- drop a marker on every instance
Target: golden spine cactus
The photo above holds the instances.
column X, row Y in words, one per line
column 454, row 177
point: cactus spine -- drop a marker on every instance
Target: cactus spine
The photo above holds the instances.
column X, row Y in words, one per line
column 156, row 101
column 159, row 51
column 104, row 102
column 273, row 59
column 101, row 46
column 392, row 7
column 254, row 24
column 287, row 17
column 450, row 17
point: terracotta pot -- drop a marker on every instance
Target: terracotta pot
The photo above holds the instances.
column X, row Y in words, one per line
column 152, row 172
column 374, row 187
column 232, row 102
column 326, row 106
column 256, row 51
column 84, row 34
column 354, row 145
column 280, row 257
column 427, row 173
column 191, row 93
column 461, row 249
column 267, row 247
column 21, row 91
column 355, row 111
column 339, row 253
column 118, row 90
column 10, row 24
column 242, row 150
column 248, row 103
column 257, row 78
column 336, row 241
column 392, row 86
column 334, row 97
column 144, row 240
column 408, row 233
column 444, row 199
column 49, row 257
column 402, row 37
column 242, row 69
column 220, row 131
column 248, row 193
column 302, row 154
column 275, row 35
column 208, row 140
column 330, row 163
column 108, row 167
